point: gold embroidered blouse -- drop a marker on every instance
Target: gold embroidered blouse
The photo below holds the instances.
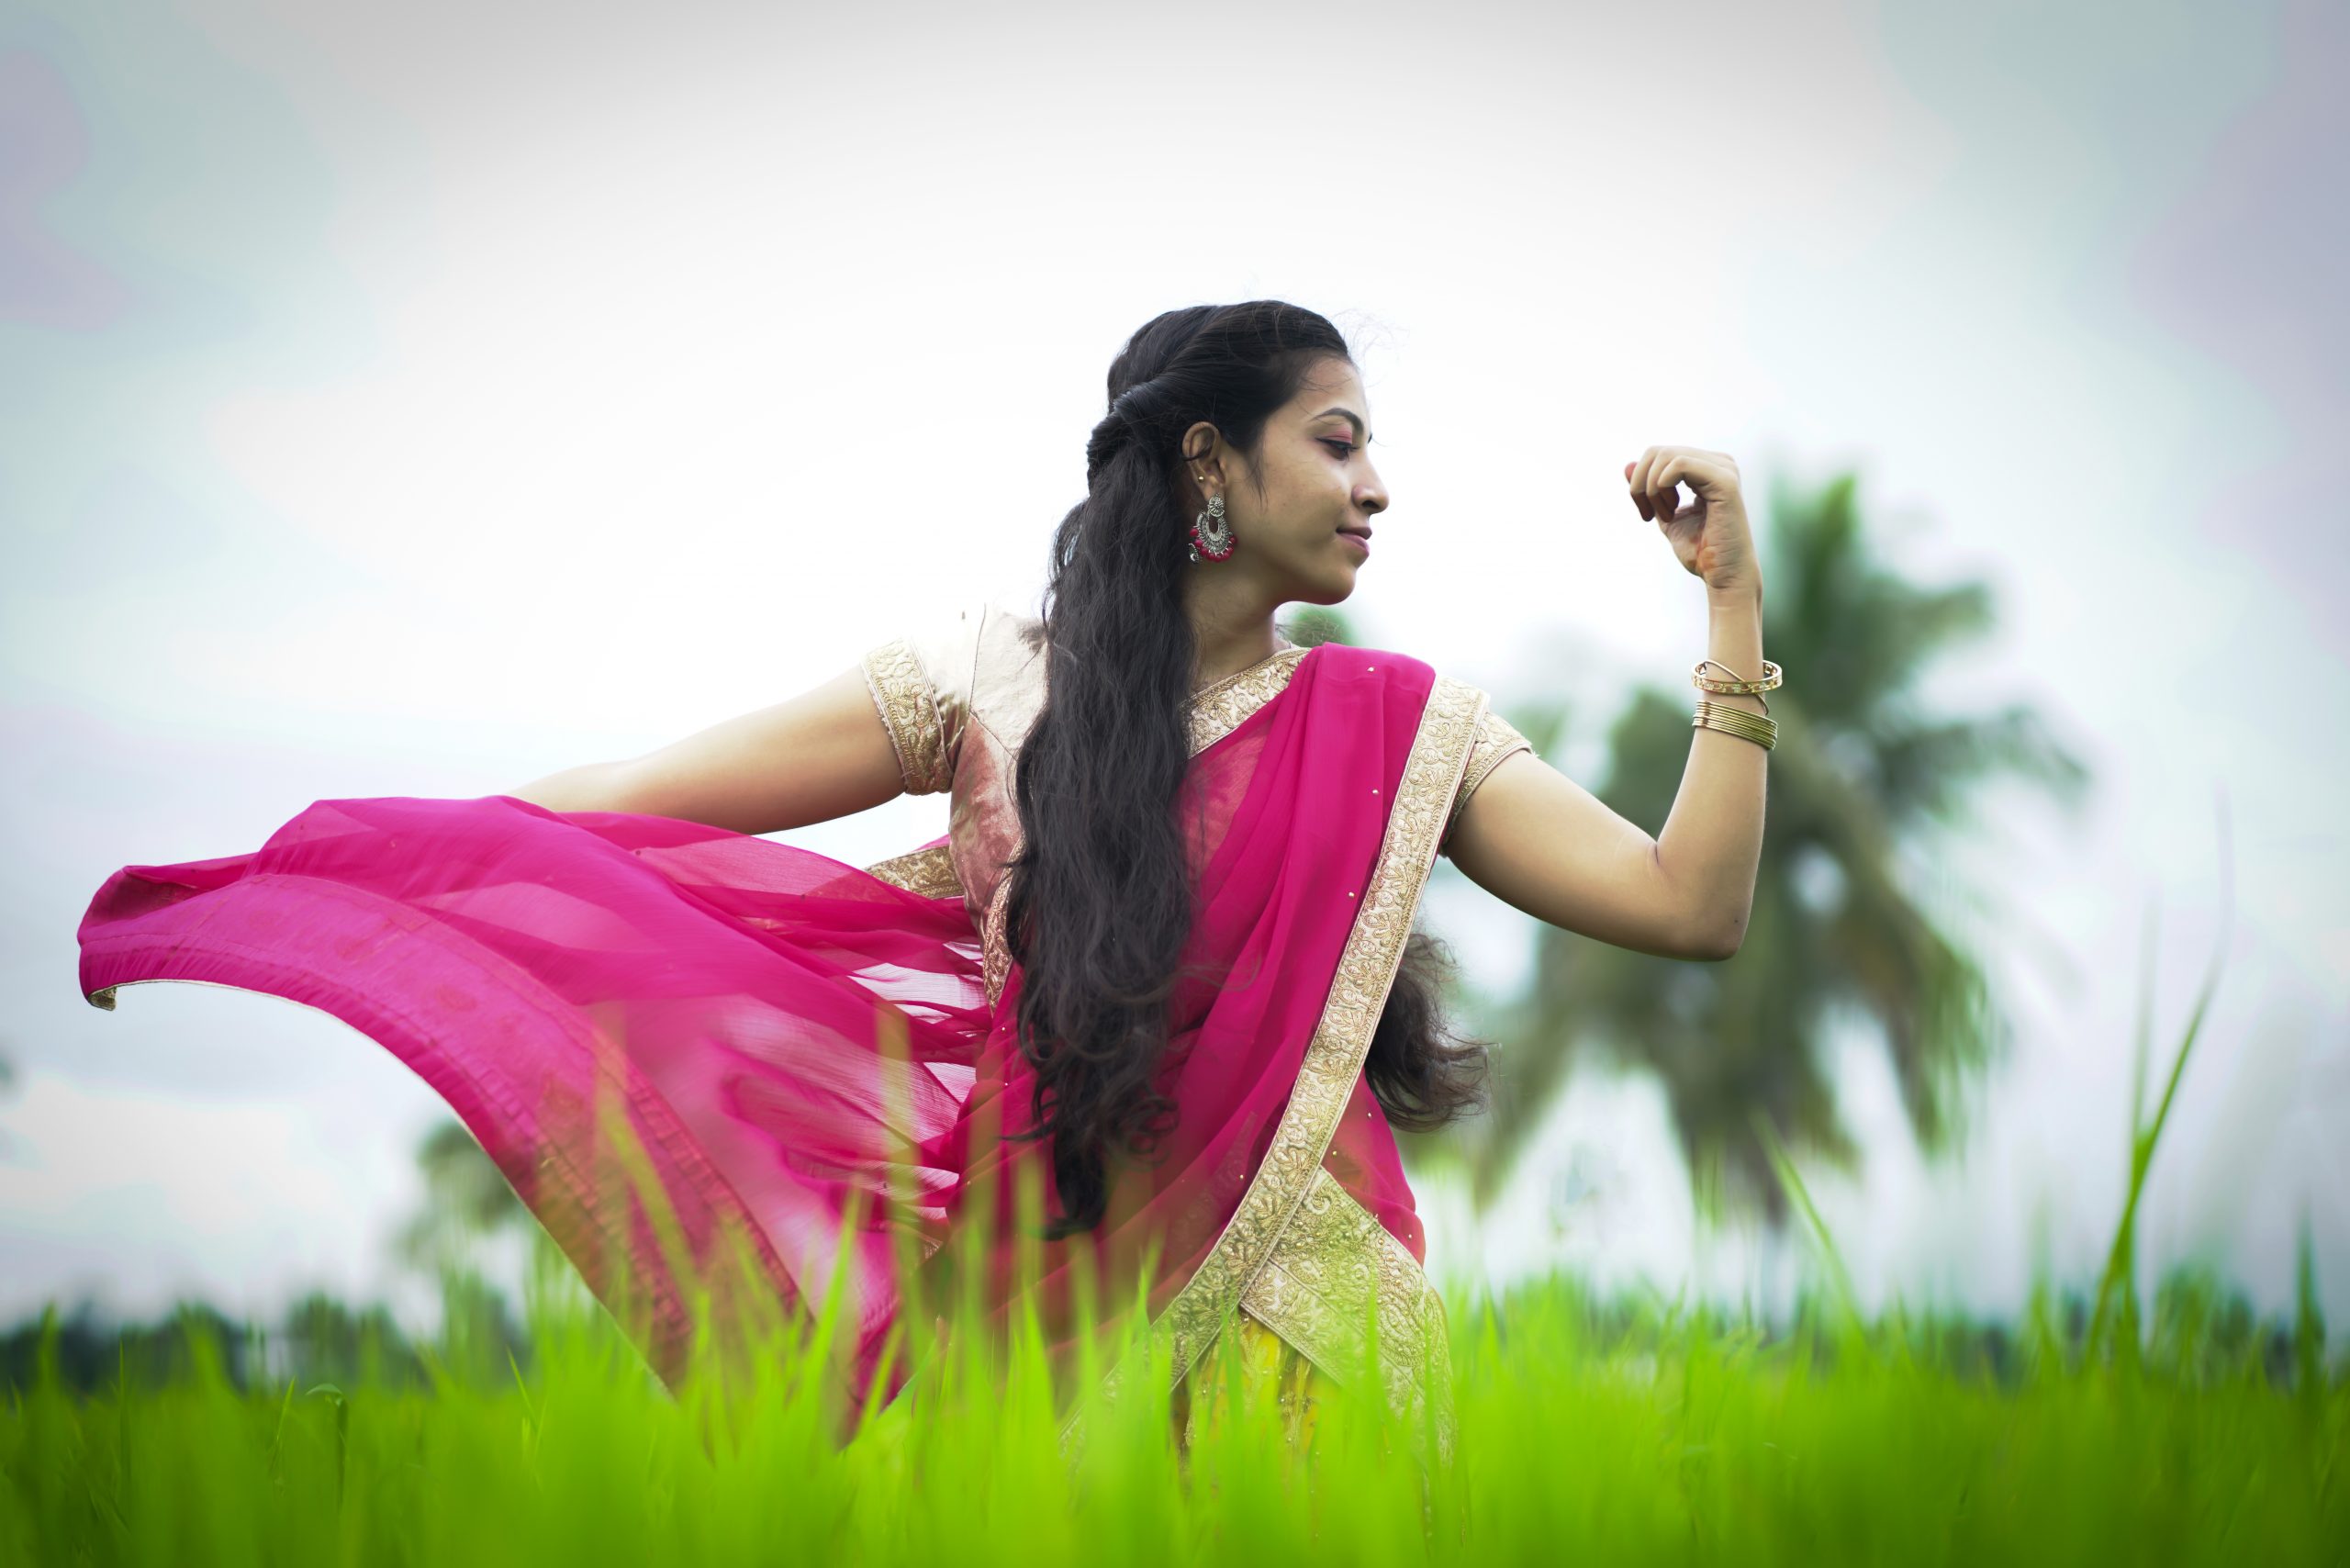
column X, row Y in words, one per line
column 959, row 699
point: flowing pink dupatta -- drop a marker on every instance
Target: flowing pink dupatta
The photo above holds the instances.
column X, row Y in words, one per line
column 684, row 1044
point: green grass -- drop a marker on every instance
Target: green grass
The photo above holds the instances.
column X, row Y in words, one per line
column 1623, row 1432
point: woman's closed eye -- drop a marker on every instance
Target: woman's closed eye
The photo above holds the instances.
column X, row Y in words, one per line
column 1345, row 448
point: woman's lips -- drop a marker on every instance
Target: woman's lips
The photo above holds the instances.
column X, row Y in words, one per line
column 1361, row 540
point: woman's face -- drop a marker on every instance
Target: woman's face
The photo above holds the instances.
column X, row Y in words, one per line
column 1301, row 512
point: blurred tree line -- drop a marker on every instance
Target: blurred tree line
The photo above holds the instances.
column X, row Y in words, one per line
column 2204, row 1330
column 321, row 1338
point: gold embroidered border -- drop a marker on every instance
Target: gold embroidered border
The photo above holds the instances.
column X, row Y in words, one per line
column 930, row 872
column 1218, row 708
column 1334, row 1273
column 1498, row 739
column 901, row 692
column 1334, row 1057
column 995, row 952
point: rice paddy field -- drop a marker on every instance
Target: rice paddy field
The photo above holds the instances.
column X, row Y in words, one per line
column 1614, row 1431
column 1625, row 1429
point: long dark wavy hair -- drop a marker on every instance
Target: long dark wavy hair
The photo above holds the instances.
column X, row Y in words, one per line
column 1100, row 905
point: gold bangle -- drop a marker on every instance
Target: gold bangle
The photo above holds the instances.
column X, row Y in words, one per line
column 1772, row 678
column 1764, row 731
column 1735, row 720
column 1766, row 742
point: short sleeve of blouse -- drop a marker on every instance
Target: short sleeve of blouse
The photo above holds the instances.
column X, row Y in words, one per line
column 922, row 687
column 1497, row 740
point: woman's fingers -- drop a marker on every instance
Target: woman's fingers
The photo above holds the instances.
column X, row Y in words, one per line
column 1651, row 493
column 1673, row 472
column 1643, row 495
column 1659, row 471
column 1715, row 504
column 1656, row 474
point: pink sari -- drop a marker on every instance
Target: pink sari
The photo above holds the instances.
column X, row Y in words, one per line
column 682, row 1044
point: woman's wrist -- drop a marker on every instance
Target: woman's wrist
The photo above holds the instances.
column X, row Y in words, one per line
column 1734, row 642
column 1745, row 596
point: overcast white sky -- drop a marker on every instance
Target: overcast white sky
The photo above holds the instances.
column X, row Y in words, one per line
column 415, row 402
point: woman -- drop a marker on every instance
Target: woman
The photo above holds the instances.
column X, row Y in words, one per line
column 1157, row 978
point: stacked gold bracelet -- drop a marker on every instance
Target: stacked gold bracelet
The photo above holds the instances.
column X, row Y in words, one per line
column 1738, row 722
column 1760, row 728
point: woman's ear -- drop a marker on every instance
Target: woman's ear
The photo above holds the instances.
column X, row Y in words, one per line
column 1203, row 454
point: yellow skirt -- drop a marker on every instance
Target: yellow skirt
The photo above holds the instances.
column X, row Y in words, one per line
column 1268, row 1372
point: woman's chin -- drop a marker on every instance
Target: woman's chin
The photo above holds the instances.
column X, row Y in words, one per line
column 1334, row 576
column 1324, row 587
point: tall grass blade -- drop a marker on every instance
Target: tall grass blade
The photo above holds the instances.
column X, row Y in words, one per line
column 2117, row 1294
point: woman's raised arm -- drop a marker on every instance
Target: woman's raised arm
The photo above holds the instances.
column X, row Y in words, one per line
column 821, row 754
column 1537, row 839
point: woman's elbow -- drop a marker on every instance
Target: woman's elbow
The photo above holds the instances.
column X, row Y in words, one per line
column 1722, row 942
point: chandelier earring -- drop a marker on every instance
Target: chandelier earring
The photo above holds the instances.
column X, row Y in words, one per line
column 1212, row 538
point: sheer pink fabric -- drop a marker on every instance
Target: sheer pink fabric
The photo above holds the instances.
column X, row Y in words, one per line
column 803, row 1053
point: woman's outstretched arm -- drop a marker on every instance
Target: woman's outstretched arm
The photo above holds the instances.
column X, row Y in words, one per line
column 821, row 754
column 1537, row 839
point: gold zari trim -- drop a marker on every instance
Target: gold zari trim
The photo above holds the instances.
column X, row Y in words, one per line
column 1334, row 1057
column 1336, row 1276
column 1497, row 741
column 995, row 952
column 902, row 692
column 1218, row 708
column 930, row 872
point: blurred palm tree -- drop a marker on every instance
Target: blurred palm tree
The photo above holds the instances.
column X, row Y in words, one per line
column 1863, row 767
column 466, row 1198
column 7, row 1087
column 467, row 1201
